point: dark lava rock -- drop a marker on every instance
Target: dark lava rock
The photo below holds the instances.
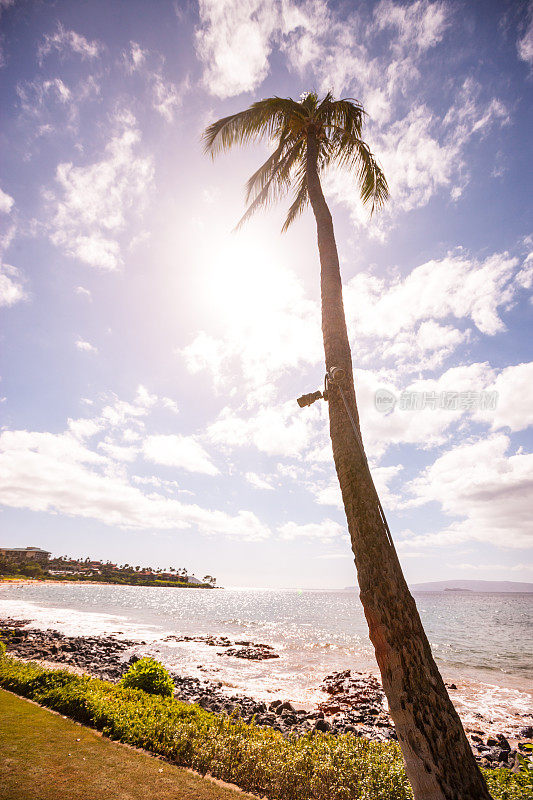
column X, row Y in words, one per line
column 502, row 741
column 527, row 732
column 255, row 652
column 287, row 706
column 322, row 726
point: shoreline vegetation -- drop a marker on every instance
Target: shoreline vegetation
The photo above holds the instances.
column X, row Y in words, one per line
column 259, row 760
column 103, row 581
column 32, row 564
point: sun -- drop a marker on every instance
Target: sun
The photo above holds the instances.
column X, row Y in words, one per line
column 246, row 284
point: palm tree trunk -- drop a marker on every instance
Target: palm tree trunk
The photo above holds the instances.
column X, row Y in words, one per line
column 439, row 762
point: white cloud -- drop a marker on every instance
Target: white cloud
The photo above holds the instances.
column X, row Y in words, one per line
column 55, row 473
column 324, row 531
column 86, row 347
column 84, row 428
column 514, row 408
column 64, row 42
column 524, row 45
column 6, row 202
column 405, row 315
column 81, row 290
column 11, row 285
column 422, row 153
column 234, row 43
column 165, row 96
column 51, row 107
column 329, row 495
column 423, row 427
column 134, row 58
column 179, row 451
column 168, row 402
column 118, row 452
column 420, row 24
column 275, row 430
column 488, row 491
column 144, row 398
column 92, row 203
column 258, row 481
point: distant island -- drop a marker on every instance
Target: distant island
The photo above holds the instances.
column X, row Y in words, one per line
column 18, row 563
column 457, row 589
column 464, row 585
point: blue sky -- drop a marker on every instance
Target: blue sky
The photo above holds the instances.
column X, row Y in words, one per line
column 151, row 358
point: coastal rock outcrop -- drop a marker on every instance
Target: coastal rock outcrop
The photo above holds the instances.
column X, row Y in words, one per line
column 354, row 702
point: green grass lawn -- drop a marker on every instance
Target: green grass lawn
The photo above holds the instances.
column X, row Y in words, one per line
column 44, row 756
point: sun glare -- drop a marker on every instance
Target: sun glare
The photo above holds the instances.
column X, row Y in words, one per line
column 247, row 284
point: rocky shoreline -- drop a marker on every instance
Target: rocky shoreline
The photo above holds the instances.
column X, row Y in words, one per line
column 354, row 701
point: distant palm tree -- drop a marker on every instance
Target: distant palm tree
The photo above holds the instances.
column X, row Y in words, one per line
column 308, row 136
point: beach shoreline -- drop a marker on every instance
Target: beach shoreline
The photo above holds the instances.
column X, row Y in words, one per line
column 15, row 581
column 352, row 701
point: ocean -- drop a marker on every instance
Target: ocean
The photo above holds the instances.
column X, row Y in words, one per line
column 482, row 642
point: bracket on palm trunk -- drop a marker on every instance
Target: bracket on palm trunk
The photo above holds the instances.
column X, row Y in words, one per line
column 335, row 375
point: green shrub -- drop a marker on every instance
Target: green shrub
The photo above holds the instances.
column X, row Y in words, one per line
column 150, row 676
column 321, row 766
column 2, row 649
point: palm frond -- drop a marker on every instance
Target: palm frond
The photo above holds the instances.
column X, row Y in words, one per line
column 353, row 153
column 261, row 119
column 275, row 185
column 300, row 200
column 259, row 179
column 337, row 125
column 347, row 114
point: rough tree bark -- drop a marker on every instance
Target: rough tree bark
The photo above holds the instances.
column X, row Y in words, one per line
column 439, row 762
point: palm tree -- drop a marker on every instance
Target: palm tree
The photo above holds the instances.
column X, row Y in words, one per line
column 308, row 136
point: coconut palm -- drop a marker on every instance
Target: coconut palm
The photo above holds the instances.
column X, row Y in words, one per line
column 308, row 137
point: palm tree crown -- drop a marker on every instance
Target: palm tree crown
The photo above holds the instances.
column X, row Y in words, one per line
column 334, row 125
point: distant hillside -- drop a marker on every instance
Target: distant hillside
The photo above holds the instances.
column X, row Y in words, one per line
column 473, row 586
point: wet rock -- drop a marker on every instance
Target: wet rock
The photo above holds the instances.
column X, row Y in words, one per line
column 255, row 652
column 502, row 741
column 287, row 706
